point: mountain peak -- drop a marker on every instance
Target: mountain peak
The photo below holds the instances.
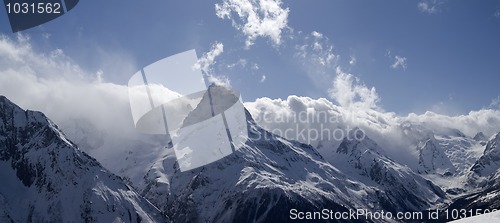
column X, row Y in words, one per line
column 215, row 100
column 357, row 140
column 480, row 137
column 490, row 160
column 492, row 148
column 432, row 158
column 46, row 178
column 357, row 134
column 4, row 101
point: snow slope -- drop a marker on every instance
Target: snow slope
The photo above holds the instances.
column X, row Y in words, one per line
column 46, row 178
column 361, row 158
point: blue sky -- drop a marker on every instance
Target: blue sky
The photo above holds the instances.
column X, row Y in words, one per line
column 438, row 55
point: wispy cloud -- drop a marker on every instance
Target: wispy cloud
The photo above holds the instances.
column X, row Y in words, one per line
column 431, row 7
column 206, row 62
column 495, row 103
column 263, row 78
column 317, row 58
column 496, row 14
column 255, row 66
column 241, row 63
column 208, row 59
column 318, row 50
column 263, row 18
column 352, row 61
column 399, row 62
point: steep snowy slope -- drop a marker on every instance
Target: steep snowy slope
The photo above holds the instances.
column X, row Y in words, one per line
column 441, row 151
column 45, row 178
column 432, row 158
column 260, row 182
column 129, row 155
column 270, row 175
column 444, row 155
column 489, row 162
column 360, row 156
column 483, row 182
column 480, row 137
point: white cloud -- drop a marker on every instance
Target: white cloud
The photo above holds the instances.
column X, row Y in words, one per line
column 388, row 53
column 399, row 62
column 317, row 34
column 54, row 84
column 255, row 66
column 206, row 62
column 430, row 7
column 350, row 93
column 92, row 112
column 317, row 49
column 317, row 58
column 485, row 120
column 352, row 61
column 263, row 78
column 321, row 123
column 240, row 62
column 86, row 107
column 497, row 14
column 262, row 18
column 46, row 35
column 495, row 103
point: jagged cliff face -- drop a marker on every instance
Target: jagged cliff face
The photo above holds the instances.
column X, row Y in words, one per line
column 489, row 163
column 45, row 178
column 270, row 175
column 432, row 158
column 484, row 181
column 362, row 158
column 260, row 182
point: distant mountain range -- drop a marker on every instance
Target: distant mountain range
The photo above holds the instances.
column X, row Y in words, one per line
column 48, row 177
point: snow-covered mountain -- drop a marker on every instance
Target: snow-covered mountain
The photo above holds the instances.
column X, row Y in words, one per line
column 482, row 183
column 489, row 162
column 260, row 182
column 358, row 155
column 480, row 137
column 269, row 175
column 46, row 178
column 432, row 159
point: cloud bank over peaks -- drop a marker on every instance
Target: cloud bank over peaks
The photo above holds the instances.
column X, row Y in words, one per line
column 324, row 125
column 255, row 18
column 53, row 84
